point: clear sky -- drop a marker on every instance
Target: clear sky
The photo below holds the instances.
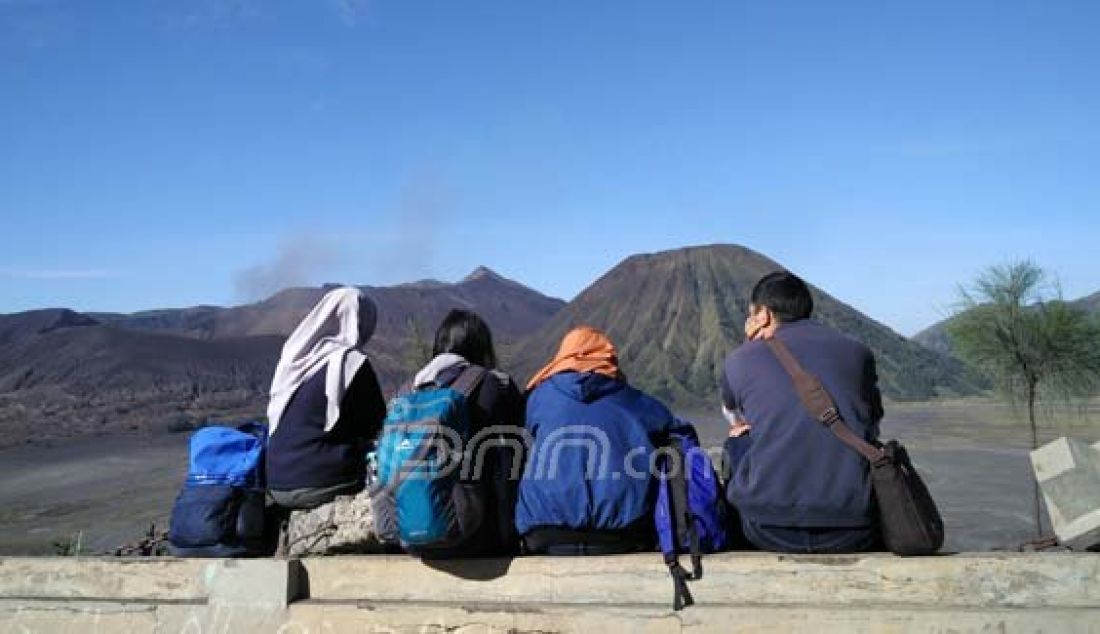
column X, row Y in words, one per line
column 167, row 152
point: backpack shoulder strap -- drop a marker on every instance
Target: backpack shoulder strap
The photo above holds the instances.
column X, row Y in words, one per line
column 817, row 401
column 469, row 380
column 682, row 525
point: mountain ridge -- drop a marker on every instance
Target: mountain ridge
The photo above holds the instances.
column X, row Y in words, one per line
column 64, row 373
column 697, row 297
column 674, row 315
column 935, row 337
column 280, row 313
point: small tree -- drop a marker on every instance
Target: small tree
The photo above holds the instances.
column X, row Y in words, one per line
column 418, row 351
column 1014, row 326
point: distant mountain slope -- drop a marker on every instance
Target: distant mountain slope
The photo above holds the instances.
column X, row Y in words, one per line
column 64, row 373
column 196, row 321
column 405, row 312
column 102, row 360
column 19, row 327
column 675, row 315
column 935, row 336
column 1090, row 303
column 511, row 309
column 78, row 377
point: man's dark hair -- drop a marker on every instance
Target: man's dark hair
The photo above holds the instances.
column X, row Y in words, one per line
column 464, row 333
column 785, row 294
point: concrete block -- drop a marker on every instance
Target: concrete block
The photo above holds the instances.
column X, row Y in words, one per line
column 327, row 618
column 102, row 578
column 265, row 584
column 740, row 592
column 964, row 581
column 223, row 619
column 1068, row 472
column 403, row 618
column 42, row 617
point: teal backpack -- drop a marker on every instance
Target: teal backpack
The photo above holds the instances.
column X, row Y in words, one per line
column 420, row 498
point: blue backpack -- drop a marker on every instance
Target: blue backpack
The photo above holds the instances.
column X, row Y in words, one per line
column 690, row 513
column 420, row 498
column 220, row 511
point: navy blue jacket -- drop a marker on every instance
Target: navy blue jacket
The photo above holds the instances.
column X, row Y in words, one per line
column 300, row 455
column 797, row 473
column 589, row 466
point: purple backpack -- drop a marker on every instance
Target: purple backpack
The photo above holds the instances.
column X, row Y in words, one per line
column 690, row 514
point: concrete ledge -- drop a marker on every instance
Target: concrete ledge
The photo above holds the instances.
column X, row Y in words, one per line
column 963, row 581
column 1058, row 592
column 108, row 578
column 265, row 584
column 541, row 619
column 320, row 618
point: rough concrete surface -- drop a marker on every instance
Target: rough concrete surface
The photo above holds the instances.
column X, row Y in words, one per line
column 1068, row 472
column 740, row 593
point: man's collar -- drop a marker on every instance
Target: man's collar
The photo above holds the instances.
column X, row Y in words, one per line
column 791, row 325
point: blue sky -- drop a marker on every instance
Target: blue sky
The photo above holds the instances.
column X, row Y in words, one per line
column 169, row 153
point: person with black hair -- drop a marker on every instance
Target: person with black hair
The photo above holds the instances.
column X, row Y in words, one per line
column 796, row 487
column 462, row 340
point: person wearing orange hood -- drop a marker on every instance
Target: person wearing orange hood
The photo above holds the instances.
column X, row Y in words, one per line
column 587, row 486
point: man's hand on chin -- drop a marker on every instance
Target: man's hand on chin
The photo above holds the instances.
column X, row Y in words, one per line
column 739, row 429
column 738, row 426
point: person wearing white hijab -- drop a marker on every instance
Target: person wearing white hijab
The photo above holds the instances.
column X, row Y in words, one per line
column 331, row 337
column 325, row 403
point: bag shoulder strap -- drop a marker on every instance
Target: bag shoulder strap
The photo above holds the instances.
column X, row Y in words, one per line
column 682, row 524
column 679, row 497
column 817, row 401
column 466, row 382
column 469, row 379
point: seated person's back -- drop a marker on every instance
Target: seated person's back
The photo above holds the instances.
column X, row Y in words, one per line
column 325, row 405
column 302, row 455
column 495, row 408
column 587, row 487
column 795, row 485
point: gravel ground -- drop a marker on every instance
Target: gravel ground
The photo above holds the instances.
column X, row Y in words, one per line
column 108, row 488
column 972, row 454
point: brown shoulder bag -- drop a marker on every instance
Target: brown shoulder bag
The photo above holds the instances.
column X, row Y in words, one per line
column 910, row 522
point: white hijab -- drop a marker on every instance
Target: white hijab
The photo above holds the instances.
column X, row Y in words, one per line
column 331, row 336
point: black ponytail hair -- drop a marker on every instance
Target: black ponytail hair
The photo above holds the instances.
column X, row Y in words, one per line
column 466, row 334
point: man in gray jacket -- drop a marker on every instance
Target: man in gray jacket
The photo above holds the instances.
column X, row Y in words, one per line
column 796, row 487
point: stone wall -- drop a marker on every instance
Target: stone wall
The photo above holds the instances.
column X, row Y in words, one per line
column 1057, row 592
